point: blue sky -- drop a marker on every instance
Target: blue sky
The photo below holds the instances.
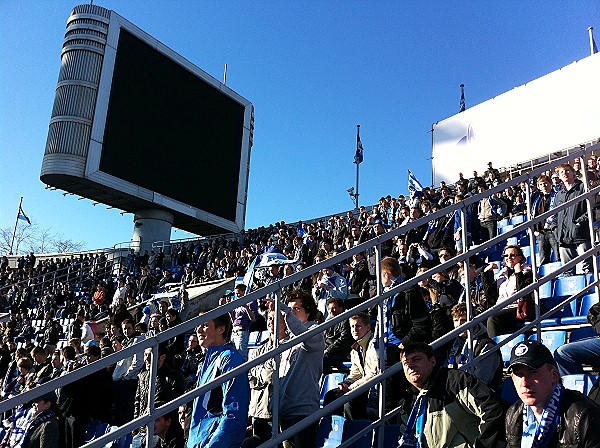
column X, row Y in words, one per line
column 313, row 70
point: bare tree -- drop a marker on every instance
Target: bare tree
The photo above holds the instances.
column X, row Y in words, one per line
column 41, row 241
column 36, row 239
column 23, row 234
column 61, row 245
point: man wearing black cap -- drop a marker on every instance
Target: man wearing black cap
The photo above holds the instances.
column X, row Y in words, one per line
column 548, row 415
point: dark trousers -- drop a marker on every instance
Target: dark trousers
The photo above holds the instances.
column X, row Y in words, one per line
column 307, row 438
column 489, row 229
column 355, row 409
column 503, row 322
column 547, row 244
column 397, row 385
column 124, row 393
column 261, row 432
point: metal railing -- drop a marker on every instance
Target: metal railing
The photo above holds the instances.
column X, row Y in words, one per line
column 280, row 346
column 74, row 274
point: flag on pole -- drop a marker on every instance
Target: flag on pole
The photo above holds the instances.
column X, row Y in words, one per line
column 358, row 157
column 413, row 183
column 594, row 47
column 462, row 98
column 23, row 216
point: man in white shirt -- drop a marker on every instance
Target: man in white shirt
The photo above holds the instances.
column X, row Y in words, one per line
column 125, row 376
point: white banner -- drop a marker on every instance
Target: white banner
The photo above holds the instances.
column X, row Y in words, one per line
column 552, row 113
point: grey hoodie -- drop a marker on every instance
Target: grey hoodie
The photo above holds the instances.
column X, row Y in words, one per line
column 300, row 370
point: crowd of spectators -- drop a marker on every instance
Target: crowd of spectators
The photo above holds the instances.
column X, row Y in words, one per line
column 419, row 314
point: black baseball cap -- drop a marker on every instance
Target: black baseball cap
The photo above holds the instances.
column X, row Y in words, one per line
column 532, row 354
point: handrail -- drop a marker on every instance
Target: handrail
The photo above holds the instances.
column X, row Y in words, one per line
column 61, row 274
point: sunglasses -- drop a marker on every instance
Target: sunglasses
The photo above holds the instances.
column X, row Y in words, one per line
column 511, row 255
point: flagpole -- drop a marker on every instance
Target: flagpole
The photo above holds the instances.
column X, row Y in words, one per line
column 357, row 170
column 591, row 34
column 15, row 230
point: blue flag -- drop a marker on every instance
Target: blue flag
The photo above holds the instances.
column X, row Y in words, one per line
column 463, row 105
column 413, row 183
column 23, row 216
column 594, row 47
column 358, row 157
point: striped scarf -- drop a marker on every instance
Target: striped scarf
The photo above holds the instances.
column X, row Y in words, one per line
column 538, row 435
column 415, row 425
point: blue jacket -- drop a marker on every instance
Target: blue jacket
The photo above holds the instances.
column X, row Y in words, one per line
column 219, row 416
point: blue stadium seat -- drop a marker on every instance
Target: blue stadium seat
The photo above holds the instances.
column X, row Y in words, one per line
column 526, row 251
column 509, row 393
column 567, row 286
column 506, row 348
column 513, row 241
column 546, row 299
column 505, row 229
column 101, row 429
column 582, row 333
column 257, row 338
column 545, row 290
column 561, row 313
column 552, row 339
column 580, row 315
column 391, row 434
column 563, row 287
column 91, row 430
column 352, row 427
column 95, row 429
column 581, row 382
column 503, row 223
column 330, row 382
column 548, row 268
column 330, row 431
column 123, row 442
column 523, row 241
column 517, row 219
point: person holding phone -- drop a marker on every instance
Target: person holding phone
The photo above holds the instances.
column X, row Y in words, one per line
column 514, row 276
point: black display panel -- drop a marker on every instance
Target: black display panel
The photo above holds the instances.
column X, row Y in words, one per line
column 169, row 131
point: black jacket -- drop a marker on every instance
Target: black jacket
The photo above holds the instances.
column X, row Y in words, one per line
column 360, row 279
column 572, row 222
column 169, row 385
column 173, row 438
column 579, row 425
column 484, row 295
column 338, row 341
column 410, row 317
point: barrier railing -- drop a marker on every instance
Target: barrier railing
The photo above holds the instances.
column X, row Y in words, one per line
column 74, row 273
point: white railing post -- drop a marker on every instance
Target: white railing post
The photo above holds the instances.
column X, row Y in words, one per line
column 590, row 212
column 465, row 242
column 381, row 322
column 276, row 382
column 151, row 396
column 533, row 259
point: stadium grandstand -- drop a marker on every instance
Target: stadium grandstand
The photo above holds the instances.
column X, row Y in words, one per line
column 117, row 327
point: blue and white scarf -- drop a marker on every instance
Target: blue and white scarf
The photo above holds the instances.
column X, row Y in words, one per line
column 538, row 435
column 413, row 434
